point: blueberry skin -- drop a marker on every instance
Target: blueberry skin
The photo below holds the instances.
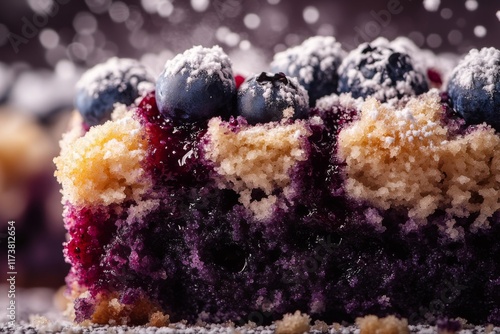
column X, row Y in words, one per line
column 314, row 63
column 263, row 98
column 115, row 81
column 191, row 89
column 477, row 100
column 381, row 72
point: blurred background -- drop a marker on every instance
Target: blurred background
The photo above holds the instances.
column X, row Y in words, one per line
column 45, row 45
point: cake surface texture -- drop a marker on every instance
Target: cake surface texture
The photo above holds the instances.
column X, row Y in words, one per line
column 204, row 200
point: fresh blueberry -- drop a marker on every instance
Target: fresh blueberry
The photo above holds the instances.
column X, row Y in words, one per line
column 197, row 85
column 117, row 80
column 376, row 69
column 267, row 97
column 314, row 63
column 474, row 87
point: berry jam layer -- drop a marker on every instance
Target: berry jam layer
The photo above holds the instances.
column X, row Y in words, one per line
column 351, row 211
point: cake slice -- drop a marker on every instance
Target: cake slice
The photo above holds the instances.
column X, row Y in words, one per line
column 204, row 201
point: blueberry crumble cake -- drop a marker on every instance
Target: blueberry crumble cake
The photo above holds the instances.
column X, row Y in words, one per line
column 340, row 185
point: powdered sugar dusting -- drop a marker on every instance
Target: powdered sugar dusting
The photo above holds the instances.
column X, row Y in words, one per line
column 345, row 100
column 116, row 72
column 198, row 59
column 373, row 78
column 481, row 66
column 319, row 50
column 293, row 93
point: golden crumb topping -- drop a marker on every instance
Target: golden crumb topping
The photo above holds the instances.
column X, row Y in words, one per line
column 256, row 157
column 104, row 166
column 296, row 323
column 404, row 157
column 388, row 325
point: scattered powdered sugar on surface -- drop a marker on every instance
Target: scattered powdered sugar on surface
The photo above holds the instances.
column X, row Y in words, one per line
column 116, row 72
column 432, row 5
column 319, row 50
column 36, row 313
column 498, row 15
column 479, row 65
column 345, row 100
column 198, row 59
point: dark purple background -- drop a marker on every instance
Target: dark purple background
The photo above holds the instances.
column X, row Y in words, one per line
column 350, row 21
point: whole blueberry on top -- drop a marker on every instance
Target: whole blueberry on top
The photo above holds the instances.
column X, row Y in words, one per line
column 268, row 97
column 314, row 63
column 197, row 85
column 376, row 69
column 117, row 80
column 474, row 87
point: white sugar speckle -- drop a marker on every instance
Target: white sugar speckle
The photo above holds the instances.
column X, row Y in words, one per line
column 498, row 15
column 471, row 5
column 200, row 5
column 432, row 5
column 251, row 21
column 310, row 14
column 480, row 31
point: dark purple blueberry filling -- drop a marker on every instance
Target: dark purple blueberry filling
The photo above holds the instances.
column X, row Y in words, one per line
column 173, row 147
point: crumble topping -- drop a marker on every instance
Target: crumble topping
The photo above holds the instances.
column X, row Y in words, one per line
column 296, row 323
column 389, row 325
column 404, row 157
column 256, row 157
column 104, row 166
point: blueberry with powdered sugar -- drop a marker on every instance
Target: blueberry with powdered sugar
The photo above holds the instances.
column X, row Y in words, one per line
column 119, row 80
column 314, row 63
column 270, row 97
column 376, row 69
column 197, row 85
column 474, row 87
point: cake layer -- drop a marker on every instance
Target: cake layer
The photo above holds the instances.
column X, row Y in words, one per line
column 382, row 210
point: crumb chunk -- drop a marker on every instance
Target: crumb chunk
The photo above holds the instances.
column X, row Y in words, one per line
column 256, row 157
column 104, row 166
column 158, row 319
column 405, row 158
column 389, row 325
column 296, row 323
column 109, row 310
